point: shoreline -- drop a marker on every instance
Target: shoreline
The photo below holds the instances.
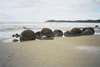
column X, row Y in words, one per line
column 11, row 40
column 91, row 38
column 82, row 51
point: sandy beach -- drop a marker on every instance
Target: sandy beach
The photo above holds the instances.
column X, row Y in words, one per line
column 82, row 51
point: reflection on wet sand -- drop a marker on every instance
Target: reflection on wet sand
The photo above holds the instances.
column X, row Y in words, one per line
column 89, row 49
column 81, row 51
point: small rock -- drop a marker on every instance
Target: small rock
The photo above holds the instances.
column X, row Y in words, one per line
column 17, row 35
column 15, row 40
column 96, row 26
column 13, row 35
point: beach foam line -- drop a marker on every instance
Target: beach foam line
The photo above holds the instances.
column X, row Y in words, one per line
column 90, row 49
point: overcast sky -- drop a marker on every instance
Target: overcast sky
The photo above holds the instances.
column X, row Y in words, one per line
column 41, row 10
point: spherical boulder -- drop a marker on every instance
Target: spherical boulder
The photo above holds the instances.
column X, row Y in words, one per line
column 37, row 35
column 68, row 34
column 76, row 31
column 46, row 32
column 58, row 33
column 27, row 35
column 92, row 29
column 88, row 31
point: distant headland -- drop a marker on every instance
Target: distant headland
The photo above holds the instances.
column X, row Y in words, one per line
column 87, row 21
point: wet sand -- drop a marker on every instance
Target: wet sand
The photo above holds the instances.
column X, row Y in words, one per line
column 82, row 51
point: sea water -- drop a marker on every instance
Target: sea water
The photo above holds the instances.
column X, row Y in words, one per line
column 7, row 29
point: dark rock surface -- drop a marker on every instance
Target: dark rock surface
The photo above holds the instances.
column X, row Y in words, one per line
column 58, row 33
column 27, row 35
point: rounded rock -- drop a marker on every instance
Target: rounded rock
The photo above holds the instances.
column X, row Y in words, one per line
column 46, row 32
column 58, row 33
column 17, row 35
column 15, row 40
column 96, row 26
column 88, row 31
column 27, row 35
column 13, row 35
column 76, row 31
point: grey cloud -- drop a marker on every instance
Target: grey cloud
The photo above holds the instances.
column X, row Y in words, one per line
column 52, row 4
column 45, row 9
column 6, row 4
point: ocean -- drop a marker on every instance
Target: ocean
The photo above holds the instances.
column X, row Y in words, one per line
column 8, row 29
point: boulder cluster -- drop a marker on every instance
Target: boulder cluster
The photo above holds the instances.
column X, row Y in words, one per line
column 80, row 32
column 48, row 34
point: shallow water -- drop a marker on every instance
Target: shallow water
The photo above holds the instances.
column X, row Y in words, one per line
column 89, row 49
